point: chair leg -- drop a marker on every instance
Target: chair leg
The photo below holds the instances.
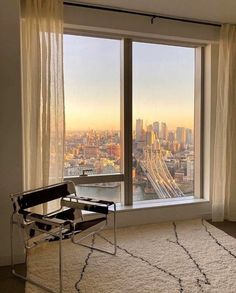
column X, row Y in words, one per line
column 60, row 262
column 11, row 241
column 25, row 278
column 97, row 232
column 114, row 230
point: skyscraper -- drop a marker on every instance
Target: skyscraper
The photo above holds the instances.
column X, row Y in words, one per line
column 150, row 136
column 163, row 131
column 171, row 136
column 189, row 136
column 180, row 135
column 139, row 130
column 156, row 129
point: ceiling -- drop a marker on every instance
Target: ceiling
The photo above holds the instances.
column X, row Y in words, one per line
column 220, row 11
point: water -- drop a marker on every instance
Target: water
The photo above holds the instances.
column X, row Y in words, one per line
column 113, row 193
column 105, row 193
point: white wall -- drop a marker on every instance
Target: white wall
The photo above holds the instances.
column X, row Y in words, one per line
column 126, row 24
column 10, row 118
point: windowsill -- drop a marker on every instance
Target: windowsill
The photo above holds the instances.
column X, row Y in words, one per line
column 153, row 211
column 159, row 203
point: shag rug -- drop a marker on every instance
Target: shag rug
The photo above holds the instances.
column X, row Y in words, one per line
column 183, row 256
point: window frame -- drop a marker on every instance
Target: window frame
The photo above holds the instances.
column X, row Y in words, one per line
column 126, row 114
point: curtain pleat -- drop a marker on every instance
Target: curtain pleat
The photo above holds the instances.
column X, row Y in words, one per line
column 224, row 186
column 42, row 92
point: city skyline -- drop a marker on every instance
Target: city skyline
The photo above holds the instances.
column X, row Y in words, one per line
column 162, row 160
column 146, row 125
column 92, row 84
column 118, row 130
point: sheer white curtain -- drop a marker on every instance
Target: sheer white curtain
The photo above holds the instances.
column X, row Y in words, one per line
column 224, row 186
column 42, row 92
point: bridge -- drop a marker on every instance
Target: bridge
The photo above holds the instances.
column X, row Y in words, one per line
column 156, row 171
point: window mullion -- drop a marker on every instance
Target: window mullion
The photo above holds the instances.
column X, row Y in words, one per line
column 199, row 121
column 126, row 119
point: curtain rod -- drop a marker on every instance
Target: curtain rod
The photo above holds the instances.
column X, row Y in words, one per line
column 151, row 15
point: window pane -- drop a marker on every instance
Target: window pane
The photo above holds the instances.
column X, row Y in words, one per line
column 92, row 105
column 163, row 121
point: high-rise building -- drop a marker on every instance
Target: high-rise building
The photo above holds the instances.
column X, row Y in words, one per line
column 156, row 128
column 189, row 136
column 150, row 136
column 149, row 128
column 163, row 131
column 139, row 130
column 171, row 136
column 180, row 135
column 190, row 169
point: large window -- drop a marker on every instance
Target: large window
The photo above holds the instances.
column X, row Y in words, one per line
column 99, row 107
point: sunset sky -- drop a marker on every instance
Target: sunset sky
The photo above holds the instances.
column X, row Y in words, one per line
column 163, row 84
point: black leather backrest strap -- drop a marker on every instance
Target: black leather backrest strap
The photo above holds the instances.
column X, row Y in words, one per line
column 41, row 196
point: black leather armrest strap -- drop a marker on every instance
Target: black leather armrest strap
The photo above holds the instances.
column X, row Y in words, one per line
column 92, row 200
column 86, row 206
column 43, row 219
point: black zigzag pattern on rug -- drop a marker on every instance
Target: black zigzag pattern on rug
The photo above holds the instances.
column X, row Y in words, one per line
column 85, row 265
column 179, row 280
column 177, row 242
column 217, row 241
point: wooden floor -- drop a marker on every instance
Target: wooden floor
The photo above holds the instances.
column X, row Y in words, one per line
column 11, row 284
column 227, row 226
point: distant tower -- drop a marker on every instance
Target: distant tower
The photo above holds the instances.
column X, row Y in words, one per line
column 156, row 129
column 171, row 136
column 150, row 136
column 149, row 128
column 163, row 131
column 180, row 135
column 189, row 136
column 139, row 130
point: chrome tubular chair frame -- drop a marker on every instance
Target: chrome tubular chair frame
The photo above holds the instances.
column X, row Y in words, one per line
column 66, row 222
column 25, row 278
column 73, row 201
